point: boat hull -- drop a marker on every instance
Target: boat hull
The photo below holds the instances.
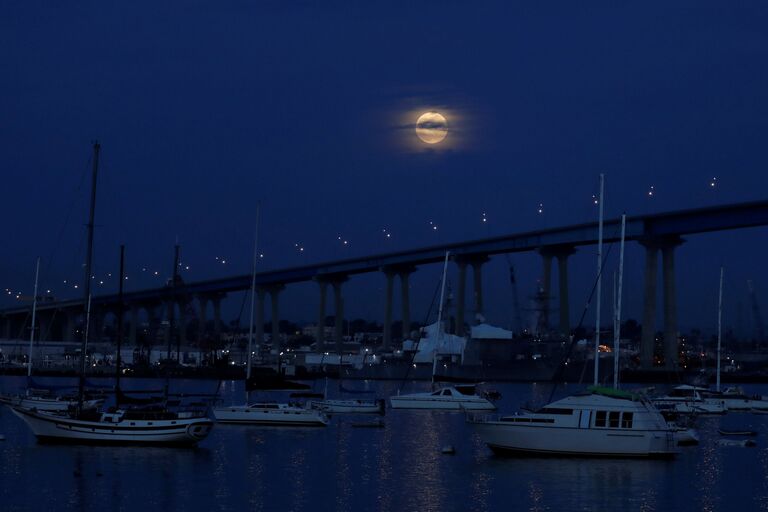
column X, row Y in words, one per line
column 53, row 428
column 440, row 404
column 579, row 442
column 348, row 406
column 246, row 416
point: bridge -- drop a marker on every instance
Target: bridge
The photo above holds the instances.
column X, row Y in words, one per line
column 658, row 233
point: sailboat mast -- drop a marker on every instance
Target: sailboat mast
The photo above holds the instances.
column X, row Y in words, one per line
column 617, row 322
column 719, row 328
column 253, row 294
column 440, row 314
column 118, row 363
column 88, row 269
column 34, row 312
column 599, row 278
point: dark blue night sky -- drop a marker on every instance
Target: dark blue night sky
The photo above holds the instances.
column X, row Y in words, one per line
column 203, row 108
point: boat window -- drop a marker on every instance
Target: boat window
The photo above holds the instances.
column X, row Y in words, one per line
column 626, row 420
column 600, row 418
column 613, row 419
column 556, row 410
column 436, row 393
column 446, row 392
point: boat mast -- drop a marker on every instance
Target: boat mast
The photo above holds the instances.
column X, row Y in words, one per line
column 599, row 278
column 34, row 312
column 87, row 283
column 440, row 316
column 119, row 325
column 617, row 319
column 253, row 295
column 719, row 328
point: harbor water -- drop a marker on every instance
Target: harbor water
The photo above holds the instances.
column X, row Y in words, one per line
column 399, row 467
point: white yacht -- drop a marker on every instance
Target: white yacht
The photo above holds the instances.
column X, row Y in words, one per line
column 600, row 422
column 271, row 413
column 352, row 406
column 735, row 399
column 687, row 399
column 118, row 427
column 452, row 398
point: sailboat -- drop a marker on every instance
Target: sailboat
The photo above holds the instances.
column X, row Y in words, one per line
column 265, row 413
column 117, row 425
column 456, row 398
column 41, row 399
column 600, row 421
column 732, row 398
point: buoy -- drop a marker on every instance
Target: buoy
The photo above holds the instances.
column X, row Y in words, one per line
column 449, row 450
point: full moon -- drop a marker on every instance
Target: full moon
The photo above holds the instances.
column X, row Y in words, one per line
column 431, row 127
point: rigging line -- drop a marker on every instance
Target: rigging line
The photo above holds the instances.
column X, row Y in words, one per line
column 67, row 217
column 418, row 338
column 565, row 357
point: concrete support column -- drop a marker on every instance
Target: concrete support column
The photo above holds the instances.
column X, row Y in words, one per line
column 96, row 329
column 339, row 303
column 477, row 266
column 202, row 305
column 562, row 276
column 274, row 291
column 390, row 277
column 155, row 318
column 670, row 307
column 320, row 335
column 170, row 310
column 546, row 278
column 43, row 327
column 134, row 327
column 216, row 301
column 461, row 296
column 648, row 340
column 258, row 317
column 405, row 302
column 6, row 327
column 70, row 319
column 182, row 323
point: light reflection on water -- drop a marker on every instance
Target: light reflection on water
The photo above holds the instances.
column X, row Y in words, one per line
column 398, row 468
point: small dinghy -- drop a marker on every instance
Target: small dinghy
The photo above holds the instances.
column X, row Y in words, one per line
column 751, row 433
column 736, row 442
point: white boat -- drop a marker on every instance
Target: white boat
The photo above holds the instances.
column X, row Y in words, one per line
column 735, row 399
column 81, row 425
column 451, row 398
column 600, row 422
column 686, row 399
column 120, row 427
column 352, row 406
column 270, row 413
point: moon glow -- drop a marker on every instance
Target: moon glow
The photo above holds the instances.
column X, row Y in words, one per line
column 431, row 127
